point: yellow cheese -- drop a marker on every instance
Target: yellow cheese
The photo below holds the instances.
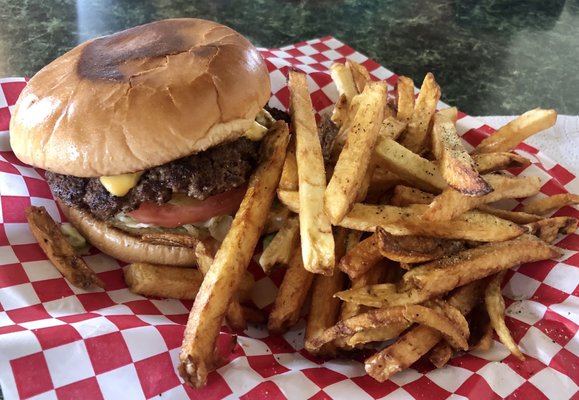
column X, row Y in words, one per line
column 119, row 185
column 255, row 132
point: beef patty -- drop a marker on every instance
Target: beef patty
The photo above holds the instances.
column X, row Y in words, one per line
column 201, row 175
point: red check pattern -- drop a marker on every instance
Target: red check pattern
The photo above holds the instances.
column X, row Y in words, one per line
column 57, row 341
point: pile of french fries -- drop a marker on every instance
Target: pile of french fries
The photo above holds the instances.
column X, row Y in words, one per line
column 396, row 238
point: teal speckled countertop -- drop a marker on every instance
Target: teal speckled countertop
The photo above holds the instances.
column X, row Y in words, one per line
column 490, row 57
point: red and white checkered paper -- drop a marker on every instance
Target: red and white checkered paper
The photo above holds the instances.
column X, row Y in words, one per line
column 57, row 341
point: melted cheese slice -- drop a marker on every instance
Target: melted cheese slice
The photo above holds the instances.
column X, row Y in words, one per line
column 119, row 185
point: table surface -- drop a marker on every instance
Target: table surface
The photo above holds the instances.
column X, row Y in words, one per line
column 490, row 57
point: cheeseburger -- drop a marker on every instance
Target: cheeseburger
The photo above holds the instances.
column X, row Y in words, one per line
column 151, row 130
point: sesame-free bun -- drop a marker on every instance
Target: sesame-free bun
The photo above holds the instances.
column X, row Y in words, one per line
column 124, row 246
column 139, row 98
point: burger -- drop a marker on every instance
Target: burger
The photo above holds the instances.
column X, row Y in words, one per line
column 148, row 135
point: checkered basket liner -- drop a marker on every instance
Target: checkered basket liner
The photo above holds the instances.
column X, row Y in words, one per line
column 57, row 341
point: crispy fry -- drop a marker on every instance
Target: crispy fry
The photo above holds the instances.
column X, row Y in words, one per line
column 451, row 203
column 496, row 309
column 52, row 241
column 415, row 249
column 289, row 174
column 291, row 295
column 490, row 162
column 315, row 229
column 170, row 239
column 409, row 166
column 391, row 128
column 359, row 73
column 325, row 309
column 547, row 229
column 231, row 260
column 404, row 196
column 280, row 249
column 382, row 317
column 550, row 204
column 355, row 157
column 440, row 354
column 415, row 136
column 438, row 277
column 417, row 341
column 509, row 136
column 517, row 217
column 405, row 98
column 456, row 166
column 360, row 258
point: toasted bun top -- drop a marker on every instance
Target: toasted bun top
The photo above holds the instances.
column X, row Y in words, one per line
column 139, row 98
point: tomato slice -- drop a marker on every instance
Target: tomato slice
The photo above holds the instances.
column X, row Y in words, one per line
column 171, row 215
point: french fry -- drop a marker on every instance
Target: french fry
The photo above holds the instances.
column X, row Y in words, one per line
column 344, row 80
column 547, row 229
column 472, row 225
column 496, row 309
column 440, row 354
column 435, row 278
column 340, row 112
column 354, row 159
column 481, row 338
column 316, row 236
column 414, row 249
column 276, row 218
column 405, row 98
column 53, row 242
column 417, row 341
column 404, row 196
column 324, row 308
column 291, row 295
column 490, row 162
column 517, row 217
column 280, row 248
column 392, row 128
column 509, row 136
column 382, row 317
column 163, row 281
column 253, row 315
column 289, row 174
column 456, row 166
column 451, row 203
column 231, row 260
column 415, row 136
column 380, row 183
column 408, row 165
column 359, row 73
column 550, row 204
column 360, row 258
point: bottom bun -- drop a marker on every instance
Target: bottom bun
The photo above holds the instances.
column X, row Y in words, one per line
column 123, row 246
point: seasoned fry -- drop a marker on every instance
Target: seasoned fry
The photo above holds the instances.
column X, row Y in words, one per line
column 280, row 249
column 496, row 309
column 440, row 354
column 381, row 181
column 405, row 98
column 54, row 244
column 392, row 128
column 361, row 258
column 170, row 239
column 517, row 217
column 231, row 260
column 417, row 341
column 490, row 162
column 359, row 73
column 409, row 166
column 415, row 136
column 289, row 174
column 340, row 113
column 342, row 77
column 547, row 229
column 315, row 230
column 438, row 277
column 325, row 309
column 550, row 204
column 451, row 203
column 404, row 196
column 509, row 136
column 414, row 249
column 456, row 166
column 384, row 316
column 355, row 157
column 291, row 295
